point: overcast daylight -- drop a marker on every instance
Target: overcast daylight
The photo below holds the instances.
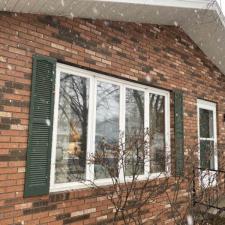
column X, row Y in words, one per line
column 221, row 4
column 112, row 112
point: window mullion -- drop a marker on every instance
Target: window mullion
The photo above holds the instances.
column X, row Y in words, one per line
column 91, row 130
column 122, row 130
column 146, row 134
column 167, row 133
column 55, row 126
column 206, row 139
column 215, row 139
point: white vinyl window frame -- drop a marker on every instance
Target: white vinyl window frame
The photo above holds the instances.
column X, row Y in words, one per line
column 123, row 84
column 210, row 106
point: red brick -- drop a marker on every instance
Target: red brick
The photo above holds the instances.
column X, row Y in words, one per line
column 24, row 35
column 17, row 51
column 8, row 170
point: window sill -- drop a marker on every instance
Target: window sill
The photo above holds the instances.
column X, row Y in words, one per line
column 102, row 182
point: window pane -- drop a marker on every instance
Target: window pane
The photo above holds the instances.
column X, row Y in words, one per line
column 206, row 123
column 134, row 132
column 207, row 154
column 107, row 127
column 157, row 133
column 72, row 128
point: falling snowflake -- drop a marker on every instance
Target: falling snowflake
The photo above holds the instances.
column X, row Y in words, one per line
column 106, row 23
column 48, row 123
column 71, row 14
column 189, row 220
column 95, row 11
column 62, row 3
column 9, row 67
column 148, row 78
column 2, row 59
column 175, row 23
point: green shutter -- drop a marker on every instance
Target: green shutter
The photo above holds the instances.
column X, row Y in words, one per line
column 40, row 127
column 179, row 132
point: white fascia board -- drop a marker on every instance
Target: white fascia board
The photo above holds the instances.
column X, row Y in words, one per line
column 192, row 4
column 218, row 9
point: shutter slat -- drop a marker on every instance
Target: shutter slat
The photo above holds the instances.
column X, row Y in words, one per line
column 40, row 127
column 179, row 132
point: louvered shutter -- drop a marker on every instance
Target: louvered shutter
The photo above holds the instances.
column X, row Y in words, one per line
column 179, row 132
column 40, row 127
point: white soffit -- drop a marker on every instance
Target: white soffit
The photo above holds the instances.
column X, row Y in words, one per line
column 200, row 19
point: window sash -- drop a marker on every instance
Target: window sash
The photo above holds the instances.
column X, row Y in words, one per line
column 123, row 85
column 210, row 106
column 97, row 81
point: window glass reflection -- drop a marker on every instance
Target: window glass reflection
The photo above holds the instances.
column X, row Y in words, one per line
column 107, row 127
column 157, row 133
column 134, row 132
column 206, row 123
column 72, row 128
column 207, row 154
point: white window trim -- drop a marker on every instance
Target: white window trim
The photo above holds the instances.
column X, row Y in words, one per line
column 203, row 104
column 91, row 125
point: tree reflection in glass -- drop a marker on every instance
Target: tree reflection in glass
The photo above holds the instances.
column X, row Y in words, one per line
column 206, row 138
column 72, row 128
column 107, row 127
column 134, row 127
column 157, row 133
column 206, row 123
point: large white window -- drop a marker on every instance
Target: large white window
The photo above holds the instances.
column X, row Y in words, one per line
column 90, row 107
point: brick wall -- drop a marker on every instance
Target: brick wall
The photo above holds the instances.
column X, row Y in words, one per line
column 161, row 56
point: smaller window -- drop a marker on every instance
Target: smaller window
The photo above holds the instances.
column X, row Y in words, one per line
column 207, row 134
